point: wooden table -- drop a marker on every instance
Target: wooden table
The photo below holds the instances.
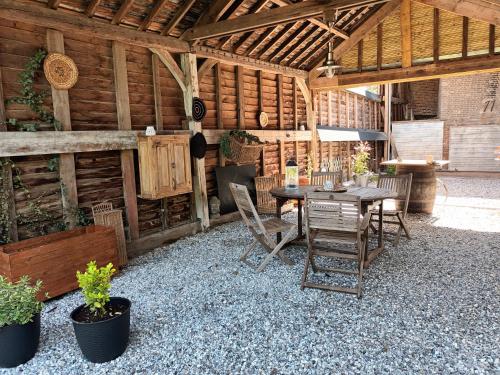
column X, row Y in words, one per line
column 369, row 197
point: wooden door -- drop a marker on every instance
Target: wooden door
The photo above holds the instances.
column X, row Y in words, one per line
column 165, row 182
column 180, row 163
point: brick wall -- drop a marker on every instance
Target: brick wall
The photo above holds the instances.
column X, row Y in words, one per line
column 425, row 100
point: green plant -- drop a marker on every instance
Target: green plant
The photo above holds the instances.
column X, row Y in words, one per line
column 241, row 135
column 361, row 158
column 18, row 301
column 391, row 170
column 95, row 284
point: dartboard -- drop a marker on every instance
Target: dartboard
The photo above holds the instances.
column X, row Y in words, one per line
column 199, row 109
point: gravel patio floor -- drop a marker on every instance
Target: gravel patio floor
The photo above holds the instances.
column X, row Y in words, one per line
column 429, row 306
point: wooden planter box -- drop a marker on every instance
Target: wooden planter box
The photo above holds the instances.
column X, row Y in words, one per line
column 55, row 258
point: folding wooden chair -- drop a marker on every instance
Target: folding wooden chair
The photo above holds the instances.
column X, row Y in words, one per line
column 266, row 203
column 319, row 178
column 335, row 228
column 261, row 230
column 400, row 184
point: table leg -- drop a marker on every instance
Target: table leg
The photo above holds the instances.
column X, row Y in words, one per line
column 279, row 204
column 299, row 219
column 381, row 225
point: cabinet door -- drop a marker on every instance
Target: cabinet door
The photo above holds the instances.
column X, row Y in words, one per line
column 165, row 185
column 180, row 162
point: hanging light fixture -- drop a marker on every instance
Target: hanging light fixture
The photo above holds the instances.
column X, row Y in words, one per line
column 330, row 67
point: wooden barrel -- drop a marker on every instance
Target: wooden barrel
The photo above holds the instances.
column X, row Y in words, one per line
column 423, row 187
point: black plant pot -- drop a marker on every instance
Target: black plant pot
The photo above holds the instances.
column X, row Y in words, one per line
column 19, row 343
column 105, row 340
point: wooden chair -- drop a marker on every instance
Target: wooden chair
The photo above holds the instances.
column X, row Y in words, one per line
column 261, row 230
column 402, row 186
column 319, row 178
column 266, row 203
column 336, row 164
column 335, row 228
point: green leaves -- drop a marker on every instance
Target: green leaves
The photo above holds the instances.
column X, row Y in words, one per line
column 18, row 301
column 361, row 158
column 242, row 135
column 95, row 284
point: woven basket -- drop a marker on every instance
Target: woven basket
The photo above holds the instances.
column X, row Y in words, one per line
column 104, row 214
column 242, row 153
column 60, row 70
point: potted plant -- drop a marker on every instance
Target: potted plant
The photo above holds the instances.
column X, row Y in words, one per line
column 19, row 321
column 240, row 146
column 102, row 324
column 361, row 161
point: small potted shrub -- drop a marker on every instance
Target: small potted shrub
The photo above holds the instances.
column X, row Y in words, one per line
column 19, row 321
column 240, row 146
column 361, row 164
column 102, row 324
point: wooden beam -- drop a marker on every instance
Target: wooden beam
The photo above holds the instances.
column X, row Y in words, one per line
column 151, row 15
column 360, row 55
column 454, row 68
column 240, row 96
column 247, row 62
column 380, row 45
column 271, row 136
column 6, row 175
column 181, row 12
column 155, row 62
column 435, row 36
column 405, row 22
column 218, row 96
column 465, row 36
column 305, row 48
column 292, row 50
column 311, row 119
column 360, row 33
column 483, row 10
column 54, row 4
column 491, row 44
column 275, row 39
column 30, row 12
column 387, row 119
column 189, row 68
column 292, row 37
column 92, row 7
column 207, row 65
column 214, row 12
column 125, row 123
column 272, row 17
column 122, row 12
column 60, row 104
column 258, row 42
column 168, row 60
column 295, row 115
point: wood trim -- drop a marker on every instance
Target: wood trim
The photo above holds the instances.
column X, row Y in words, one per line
column 247, row 62
column 177, row 17
column 155, row 62
column 124, row 123
column 488, row 64
column 122, row 12
column 168, row 60
column 60, row 104
column 406, row 44
column 7, row 184
column 240, row 96
column 151, row 15
column 465, row 36
column 30, row 12
column 92, row 7
column 272, row 136
column 435, row 36
column 483, row 10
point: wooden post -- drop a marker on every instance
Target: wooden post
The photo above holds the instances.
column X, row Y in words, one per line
column 240, row 93
column 60, row 103
column 387, row 119
column 218, row 107
column 380, row 30
column 189, row 67
column 295, row 115
column 311, row 118
column 281, row 122
column 406, row 45
column 261, row 109
column 7, row 185
column 465, row 36
column 435, row 36
column 348, row 122
column 125, row 123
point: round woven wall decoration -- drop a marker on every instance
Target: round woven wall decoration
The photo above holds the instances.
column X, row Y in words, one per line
column 60, row 70
column 263, row 119
column 199, row 109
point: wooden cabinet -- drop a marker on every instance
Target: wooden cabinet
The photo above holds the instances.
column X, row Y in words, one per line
column 164, row 165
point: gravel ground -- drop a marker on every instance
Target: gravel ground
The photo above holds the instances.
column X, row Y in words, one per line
column 429, row 306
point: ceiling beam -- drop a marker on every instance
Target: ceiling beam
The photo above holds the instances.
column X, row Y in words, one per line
column 122, row 12
column 151, row 15
column 488, row 64
column 275, row 39
column 32, row 13
column 247, row 62
column 482, row 10
column 405, row 21
column 205, row 67
column 214, row 12
column 181, row 12
column 272, row 17
column 293, row 48
column 54, row 4
column 289, row 40
column 92, row 7
column 363, row 30
column 306, row 47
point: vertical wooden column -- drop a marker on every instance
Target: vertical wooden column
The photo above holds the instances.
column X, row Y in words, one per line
column 281, row 122
column 125, row 123
column 330, row 123
column 387, row 119
column 380, row 30
column 261, row 109
column 295, row 115
column 435, row 36
column 189, row 67
column 60, row 103
column 218, row 107
column 348, row 122
column 7, row 185
column 311, row 119
column 406, row 45
column 240, row 93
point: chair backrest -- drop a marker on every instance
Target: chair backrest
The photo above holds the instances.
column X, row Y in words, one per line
column 102, row 207
column 400, row 184
column 245, row 206
column 319, row 178
column 334, row 212
column 336, row 164
column 263, row 186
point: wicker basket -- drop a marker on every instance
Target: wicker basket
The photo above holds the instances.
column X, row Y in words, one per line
column 104, row 214
column 242, row 153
